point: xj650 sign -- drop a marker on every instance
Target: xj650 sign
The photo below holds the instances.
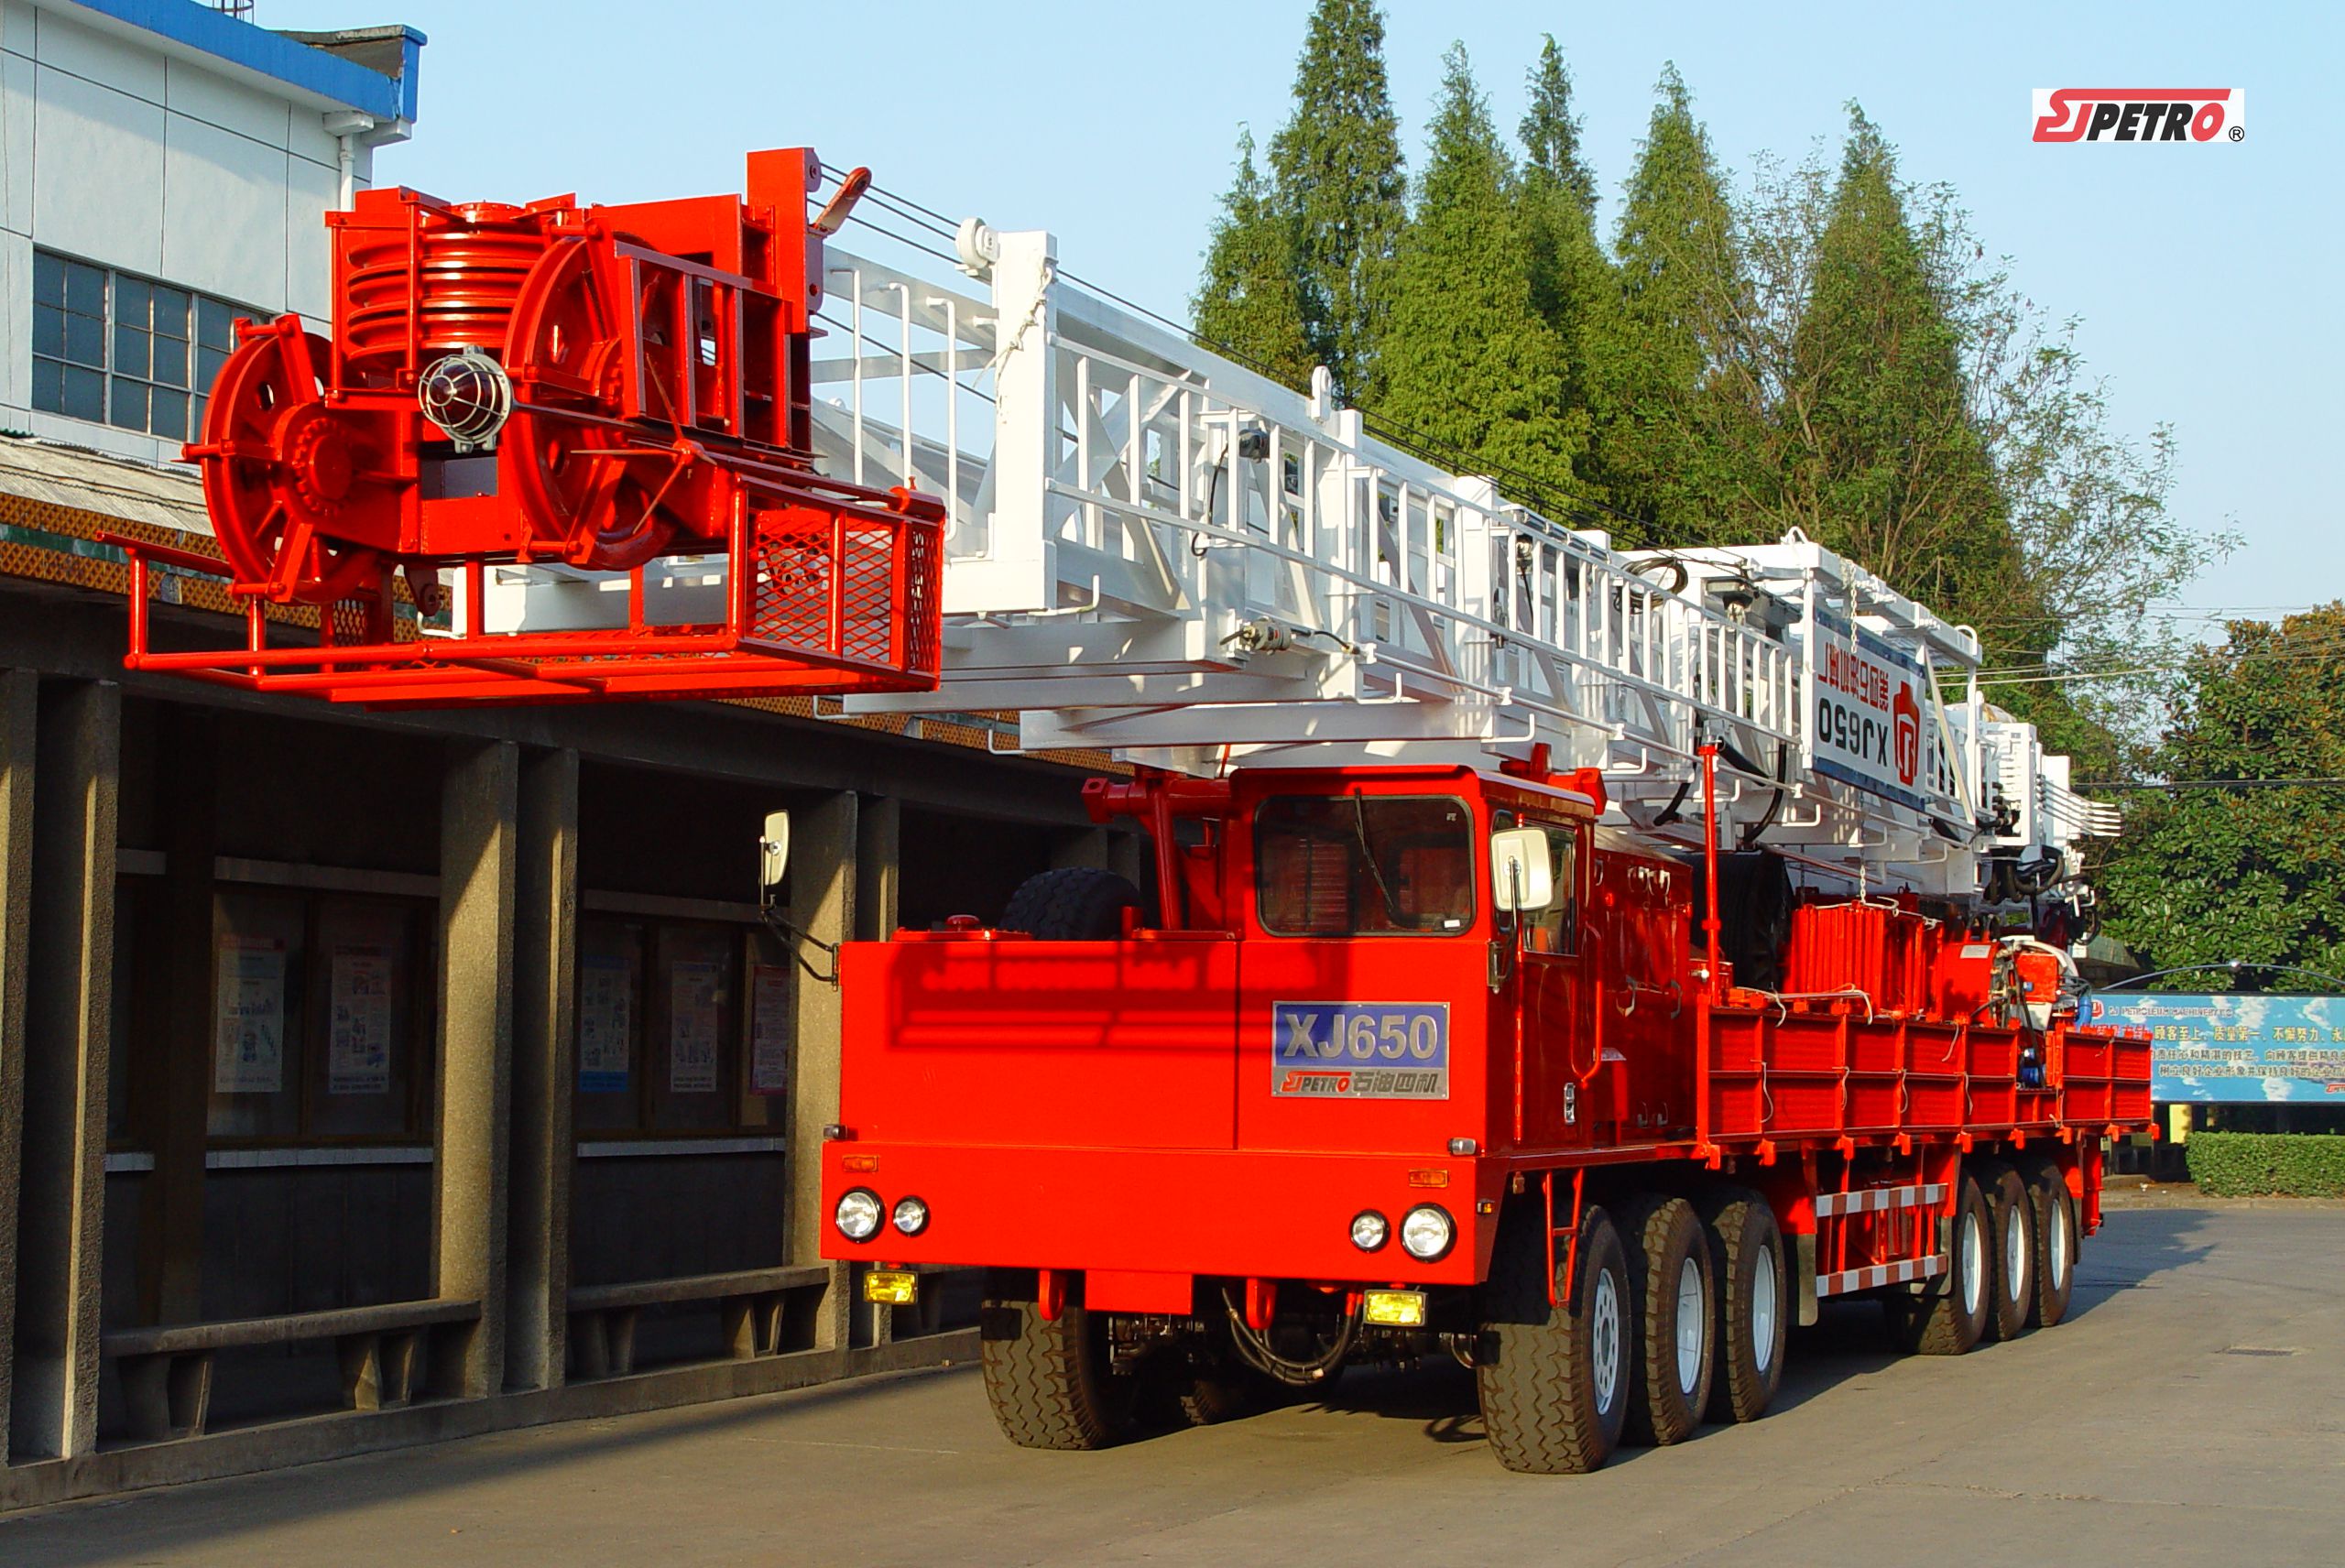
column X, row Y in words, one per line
column 1874, row 722
column 1360, row 1050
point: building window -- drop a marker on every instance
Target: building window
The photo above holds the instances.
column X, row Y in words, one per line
column 126, row 350
column 683, row 1028
column 323, row 1016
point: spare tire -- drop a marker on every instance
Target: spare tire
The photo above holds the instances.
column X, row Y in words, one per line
column 1075, row 903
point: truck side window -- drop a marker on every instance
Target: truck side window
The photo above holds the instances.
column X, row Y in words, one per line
column 1555, row 928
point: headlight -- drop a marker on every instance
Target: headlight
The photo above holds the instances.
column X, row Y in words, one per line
column 912, row 1215
column 1370, row 1230
column 857, row 1215
column 1427, row 1233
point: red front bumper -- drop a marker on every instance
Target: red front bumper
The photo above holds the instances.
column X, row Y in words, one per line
column 1234, row 1213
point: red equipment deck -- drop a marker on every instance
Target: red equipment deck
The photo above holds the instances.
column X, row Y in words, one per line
column 596, row 389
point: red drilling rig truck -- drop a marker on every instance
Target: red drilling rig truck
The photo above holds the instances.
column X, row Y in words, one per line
column 1579, row 963
column 1428, row 1060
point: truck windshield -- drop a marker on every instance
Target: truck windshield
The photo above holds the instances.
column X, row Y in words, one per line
column 1364, row 864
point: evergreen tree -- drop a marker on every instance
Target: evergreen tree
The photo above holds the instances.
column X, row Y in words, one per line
column 1247, row 300
column 1572, row 282
column 1654, row 360
column 1882, row 460
column 1339, row 180
column 1468, row 362
column 1572, row 285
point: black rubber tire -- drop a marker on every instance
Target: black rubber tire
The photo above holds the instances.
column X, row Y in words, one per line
column 1210, row 1396
column 2057, row 1239
column 1048, row 1382
column 2013, row 1249
column 1745, row 1245
column 1664, row 1240
column 1214, row 1386
column 1946, row 1322
column 1075, row 903
column 1536, row 1364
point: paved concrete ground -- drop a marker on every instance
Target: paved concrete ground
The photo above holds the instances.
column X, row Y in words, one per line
column 2192, row 1410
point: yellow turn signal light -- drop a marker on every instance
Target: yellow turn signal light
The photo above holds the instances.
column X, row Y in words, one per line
column 1393, row 1308
column 891, row 1286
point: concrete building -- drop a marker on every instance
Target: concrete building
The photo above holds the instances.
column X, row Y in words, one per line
column 370, row 1078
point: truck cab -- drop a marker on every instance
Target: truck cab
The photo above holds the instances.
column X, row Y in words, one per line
column 1308, row 1072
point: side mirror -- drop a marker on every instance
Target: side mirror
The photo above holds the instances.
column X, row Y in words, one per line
column 773, row 856
column 1522, row 877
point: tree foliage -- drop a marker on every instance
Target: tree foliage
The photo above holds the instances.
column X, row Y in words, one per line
column 1883, row 387
column 1470, row 363
column 1880, row 458
column 1248, row 300
column 1830, row 349
column 1572, row 285
column 1653, row 382
column 2208, row 876
column 1341, row 184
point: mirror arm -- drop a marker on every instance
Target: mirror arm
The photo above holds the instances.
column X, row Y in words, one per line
column 795, row 938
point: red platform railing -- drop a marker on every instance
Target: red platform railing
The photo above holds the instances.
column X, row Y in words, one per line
column 842, row 601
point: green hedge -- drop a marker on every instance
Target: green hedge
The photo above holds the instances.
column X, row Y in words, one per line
column 2249, row 1164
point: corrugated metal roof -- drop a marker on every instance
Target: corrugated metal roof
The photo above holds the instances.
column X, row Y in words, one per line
column 91, row 481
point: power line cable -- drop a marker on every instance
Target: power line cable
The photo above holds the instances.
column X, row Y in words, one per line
column 891, row 350
column 2323, row 783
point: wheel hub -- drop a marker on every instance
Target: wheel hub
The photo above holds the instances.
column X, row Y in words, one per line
column 1693, row 1325
column 1606, row 1337
column 1762, row 1313
column 318, row 459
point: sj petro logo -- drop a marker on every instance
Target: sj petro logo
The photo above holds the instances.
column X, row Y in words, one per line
column 2141, row 115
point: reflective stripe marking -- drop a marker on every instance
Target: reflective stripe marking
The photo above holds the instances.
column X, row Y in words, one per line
column 1880, row 1274
column 1872, row 1198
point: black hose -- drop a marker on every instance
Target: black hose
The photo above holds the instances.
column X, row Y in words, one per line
column 1257, row 1353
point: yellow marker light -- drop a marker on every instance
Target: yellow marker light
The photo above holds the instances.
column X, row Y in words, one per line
column 891, row 1286
column 1394, row 1309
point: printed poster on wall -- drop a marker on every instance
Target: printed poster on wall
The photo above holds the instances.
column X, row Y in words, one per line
column 606, row 1006
column 248, row 1055
column 358, row 1046
column 770, row 1030
column 695, row 1002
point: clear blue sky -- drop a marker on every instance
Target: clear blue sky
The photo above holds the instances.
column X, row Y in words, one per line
column 2206, row 276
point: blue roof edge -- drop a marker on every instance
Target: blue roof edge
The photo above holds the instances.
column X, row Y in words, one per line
column 256, row 49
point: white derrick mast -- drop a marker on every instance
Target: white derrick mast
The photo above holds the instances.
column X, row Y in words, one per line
column 1157, row 553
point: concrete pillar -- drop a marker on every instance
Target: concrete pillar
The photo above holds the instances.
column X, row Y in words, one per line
column 878, row 867
column 69, row 1021
column 545, row 1033
column 171, row 1224
column 1079, row 846
column 823, row 840
column 478, row 835
column 1130, row 857
column 19, row 688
